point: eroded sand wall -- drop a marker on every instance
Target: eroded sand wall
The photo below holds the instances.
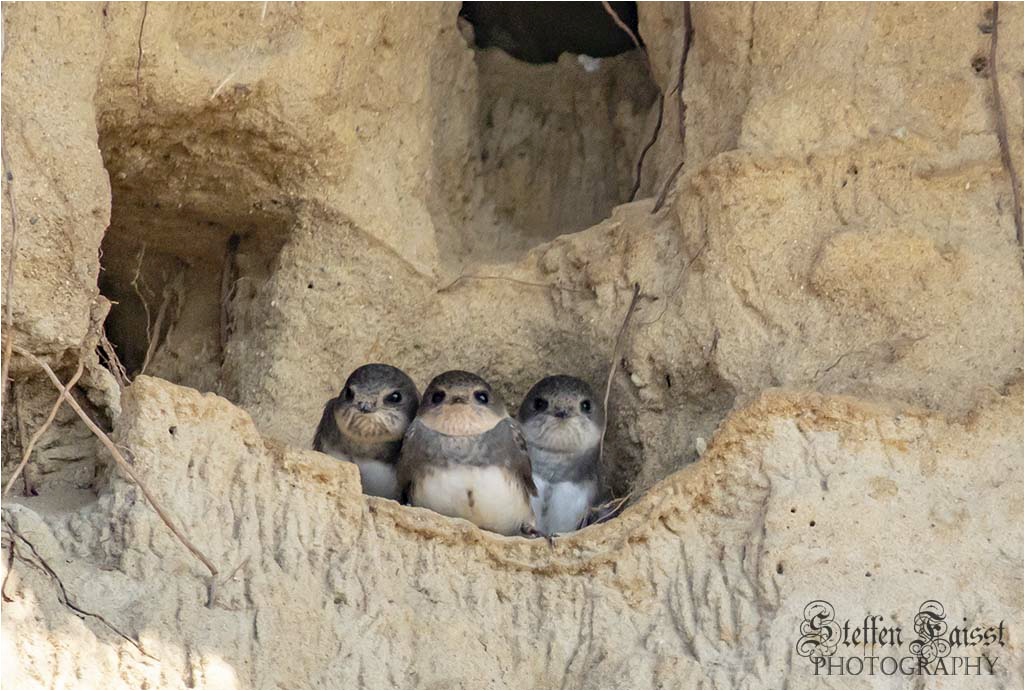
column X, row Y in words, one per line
column 831, row 308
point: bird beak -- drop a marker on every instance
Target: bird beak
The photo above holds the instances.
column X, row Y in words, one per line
column 458, row 399
column 364, row 407
column 561, row 414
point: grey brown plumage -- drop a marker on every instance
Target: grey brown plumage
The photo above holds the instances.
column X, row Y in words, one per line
column 562, row 423
column 433, row 449
column 365, row 424
column 463, row 456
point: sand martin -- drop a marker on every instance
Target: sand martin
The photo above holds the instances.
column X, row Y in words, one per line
column 562, row 422
column 463, row 456
column 365, row 424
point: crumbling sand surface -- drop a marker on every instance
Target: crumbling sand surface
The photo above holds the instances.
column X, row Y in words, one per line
column 831, row 311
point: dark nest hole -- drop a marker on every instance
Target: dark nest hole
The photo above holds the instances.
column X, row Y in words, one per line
column 540, row 32
column 564, row 103
column 195, row 232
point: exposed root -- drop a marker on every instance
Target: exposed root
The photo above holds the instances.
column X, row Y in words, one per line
column 62, row 593
column 1001, row 125
column 668, row 185
column 626, row 29
column 9, row 288
column 157, row 334
column 7, row 576
column 27, row 489
column 235, row 570
column 125, row 466
column 215, row 586
column 614, row 365
column 661, row 97
column 688, row 40
column 476, row 277
column 27, row 453
column 713, row 345
column 223, row 84
column 229, row 282
column 607, row 510
column 679, row 282
column 644, row 152
column 135, row 286
column 138, row 60
column 114, row 362
column 171, row 290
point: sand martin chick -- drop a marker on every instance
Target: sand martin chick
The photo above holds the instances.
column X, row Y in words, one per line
column 562, row 422
column 365, row 424
column 463, row 456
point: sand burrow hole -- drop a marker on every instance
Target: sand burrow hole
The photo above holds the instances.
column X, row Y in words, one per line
column 563, row 101
column 198, row 218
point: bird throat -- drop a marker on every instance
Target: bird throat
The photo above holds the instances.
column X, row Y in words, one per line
column 460, row 419
column 366, row 428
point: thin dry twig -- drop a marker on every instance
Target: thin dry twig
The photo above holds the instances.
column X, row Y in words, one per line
column 171, row 289
column 215, row 585
column 679, row 282
column 688, row 40
column 27, row 453
column 714, row 345
column 62, row 592
column 610, row 509
column 114, row 362
column 9, row 288
column 661, row 98
column 122, row 463
column 223, row 84
column 478, row 277
column 1001, row 123
column 138, row 60
column 668, row 185
column 616, row 350
column 235, row 570
column 135, row 286
column 622, row 25
column 644, row 151
column 151, row 346
column 7, row 576
column 229, row 281
column 19, row 416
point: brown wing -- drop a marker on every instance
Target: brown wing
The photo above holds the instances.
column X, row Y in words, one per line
column 327, row 430
column 413, row 450
column 520, row 462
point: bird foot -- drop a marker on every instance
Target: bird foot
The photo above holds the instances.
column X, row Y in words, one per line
column 532, row 532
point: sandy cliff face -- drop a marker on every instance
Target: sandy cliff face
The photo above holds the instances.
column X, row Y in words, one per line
column 702, row 582
column 820, row 395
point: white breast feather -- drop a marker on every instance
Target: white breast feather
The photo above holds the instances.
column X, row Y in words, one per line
column 487, row 496
column 378, row 478
column 560, row 507
column 537, row 504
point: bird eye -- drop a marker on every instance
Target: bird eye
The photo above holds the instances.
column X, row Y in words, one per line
column 394, row 397
column 481, row 396
column 540, row 404
column 349, row 395
column 437, row 397
column 585, row 406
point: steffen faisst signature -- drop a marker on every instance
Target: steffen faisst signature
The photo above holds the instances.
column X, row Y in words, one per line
column 866, row 647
